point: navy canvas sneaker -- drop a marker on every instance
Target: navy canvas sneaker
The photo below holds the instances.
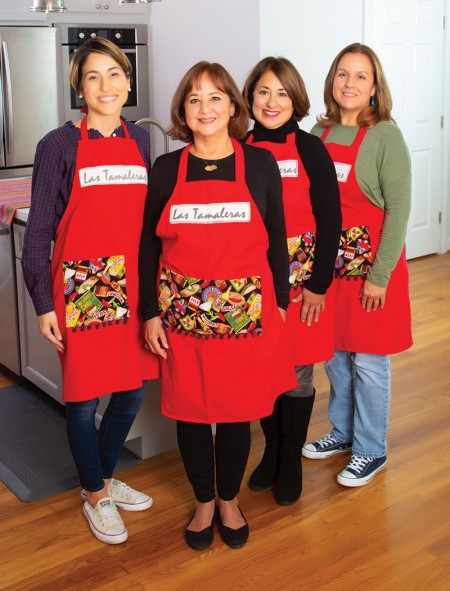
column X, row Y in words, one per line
column 325, row 447
column 359, row 471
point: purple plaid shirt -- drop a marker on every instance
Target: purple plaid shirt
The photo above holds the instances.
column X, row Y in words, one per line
column 53, row 173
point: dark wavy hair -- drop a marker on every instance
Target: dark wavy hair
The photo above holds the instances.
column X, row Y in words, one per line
column 289, row 77
column 370, row 115
column 238, row 124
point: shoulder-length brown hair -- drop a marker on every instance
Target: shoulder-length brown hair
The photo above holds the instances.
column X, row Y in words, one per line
column 96, row 45
column 372, row 114
column 238, row 124
column 289, row 77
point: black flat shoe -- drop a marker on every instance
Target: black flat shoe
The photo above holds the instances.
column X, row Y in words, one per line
column 200, row 540
column 235, row 538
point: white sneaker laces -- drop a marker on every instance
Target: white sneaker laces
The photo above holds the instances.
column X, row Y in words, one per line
column 121, row 490
column 107, row 513
column 358, row 463
column 326, row 441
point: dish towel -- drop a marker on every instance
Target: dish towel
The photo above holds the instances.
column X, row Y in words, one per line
column 14, row 194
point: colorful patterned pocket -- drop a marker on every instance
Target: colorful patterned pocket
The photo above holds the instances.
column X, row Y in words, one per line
column 354, row 254
column 210, row 307
column 95, row 292
column 301, row 257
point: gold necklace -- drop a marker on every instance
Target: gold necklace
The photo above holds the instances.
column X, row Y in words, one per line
column 210, row 167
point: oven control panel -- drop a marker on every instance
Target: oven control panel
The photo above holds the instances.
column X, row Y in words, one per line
column 121, row 37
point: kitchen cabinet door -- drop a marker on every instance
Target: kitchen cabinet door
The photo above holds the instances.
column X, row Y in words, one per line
column 104, row 7
column 39, row 359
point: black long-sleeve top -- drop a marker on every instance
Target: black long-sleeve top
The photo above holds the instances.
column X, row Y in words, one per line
column 264, row 182
column 324, row 195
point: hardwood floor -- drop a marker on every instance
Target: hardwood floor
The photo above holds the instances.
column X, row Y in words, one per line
column 391, row 534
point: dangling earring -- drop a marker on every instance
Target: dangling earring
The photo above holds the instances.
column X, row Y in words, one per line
column 372, row 101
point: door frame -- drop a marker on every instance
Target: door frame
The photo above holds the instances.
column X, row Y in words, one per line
column 444, row 198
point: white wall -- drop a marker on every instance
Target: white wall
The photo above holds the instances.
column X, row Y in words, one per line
column 187, row 31
column 310, row 33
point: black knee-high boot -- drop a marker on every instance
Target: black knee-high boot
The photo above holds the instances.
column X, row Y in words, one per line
column 265, row 473
column 295, row 414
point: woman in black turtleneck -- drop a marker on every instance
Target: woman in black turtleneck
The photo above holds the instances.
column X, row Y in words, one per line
column 277, row 99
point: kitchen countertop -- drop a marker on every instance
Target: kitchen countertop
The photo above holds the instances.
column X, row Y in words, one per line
column 22, row 214
column 15, row 197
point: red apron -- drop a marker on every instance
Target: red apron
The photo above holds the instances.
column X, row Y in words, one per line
column 309, row 344
column 387, row 330
column 94, row 271
column 228, row 359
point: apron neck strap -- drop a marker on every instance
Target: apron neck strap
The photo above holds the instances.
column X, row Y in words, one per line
column 238, row 162
column 359, row 137
column 290, row 139
column 356, row 142
column 85, row 134
column 324, row 135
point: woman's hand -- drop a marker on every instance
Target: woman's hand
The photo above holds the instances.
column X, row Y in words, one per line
column 372, row 296
column 48, row 327
column 283, row 313
column 313, row 305
column 155, row 337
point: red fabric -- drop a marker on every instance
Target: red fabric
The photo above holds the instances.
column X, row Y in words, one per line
column 315, row 343
column 102, row 220
column 234, row 379
column 14, row 194
column 387, row 330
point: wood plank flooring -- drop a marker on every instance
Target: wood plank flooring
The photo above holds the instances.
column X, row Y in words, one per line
column 391, row 534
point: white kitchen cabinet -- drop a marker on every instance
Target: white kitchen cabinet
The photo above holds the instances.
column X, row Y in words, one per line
column 39, row 359
column 104, row 7
column 150, row 434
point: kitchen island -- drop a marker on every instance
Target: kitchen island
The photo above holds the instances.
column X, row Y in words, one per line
column 38, row 361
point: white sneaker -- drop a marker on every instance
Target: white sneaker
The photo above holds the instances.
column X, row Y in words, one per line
column 125, row 497
column 105, row 521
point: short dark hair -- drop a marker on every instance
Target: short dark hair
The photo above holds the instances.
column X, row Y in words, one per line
column 238, row 125
column 96, row 45
column 289, row 77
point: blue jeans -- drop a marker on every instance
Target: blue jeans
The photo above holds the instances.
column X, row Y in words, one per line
column 360, row 397
column 96, row 452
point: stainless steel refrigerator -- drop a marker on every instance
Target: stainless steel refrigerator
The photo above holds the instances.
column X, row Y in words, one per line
column 31, row 102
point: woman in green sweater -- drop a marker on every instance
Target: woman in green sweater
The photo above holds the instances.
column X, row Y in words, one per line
column 373, row 316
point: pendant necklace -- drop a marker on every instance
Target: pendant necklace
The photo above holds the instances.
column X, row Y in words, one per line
column 210, row 167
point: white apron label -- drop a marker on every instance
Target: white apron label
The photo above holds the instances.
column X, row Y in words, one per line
column 288, row 168
column 210, row 213
column 342, row 171
column 113, row 175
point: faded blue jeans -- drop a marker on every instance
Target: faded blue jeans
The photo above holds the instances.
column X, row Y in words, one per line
column 359, row 404
column 96, row 452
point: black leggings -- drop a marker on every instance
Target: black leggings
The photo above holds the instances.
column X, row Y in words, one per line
column 231, row 448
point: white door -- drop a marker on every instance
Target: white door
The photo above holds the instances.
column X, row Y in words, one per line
column 408, row 36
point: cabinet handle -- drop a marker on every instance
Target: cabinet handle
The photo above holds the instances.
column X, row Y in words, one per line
column 106, row 6
column 98, row 6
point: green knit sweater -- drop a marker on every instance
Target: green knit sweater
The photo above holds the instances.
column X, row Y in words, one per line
column 383, row 171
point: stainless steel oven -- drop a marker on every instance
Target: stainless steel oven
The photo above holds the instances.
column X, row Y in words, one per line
column 133, row 40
